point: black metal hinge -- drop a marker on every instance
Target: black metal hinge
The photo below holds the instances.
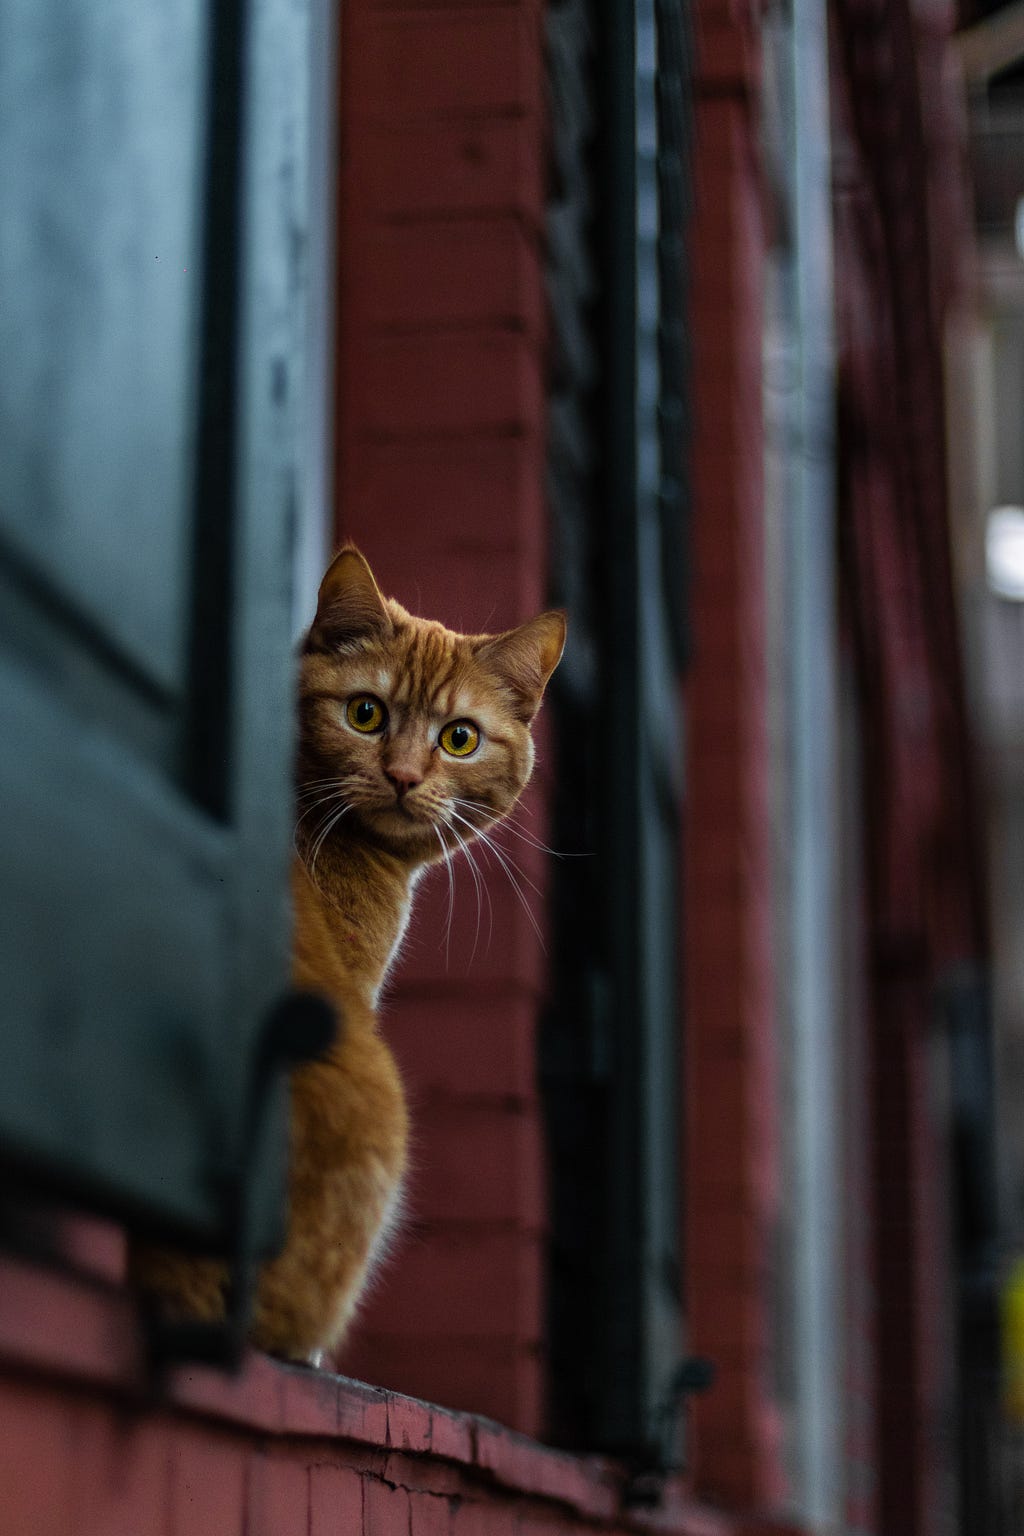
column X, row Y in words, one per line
column 645, row 1485
column 300, row 1028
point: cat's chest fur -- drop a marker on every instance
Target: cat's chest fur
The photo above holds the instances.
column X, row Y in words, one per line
column 403, row 917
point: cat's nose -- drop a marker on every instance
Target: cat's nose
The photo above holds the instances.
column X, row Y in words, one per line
column 403, row 778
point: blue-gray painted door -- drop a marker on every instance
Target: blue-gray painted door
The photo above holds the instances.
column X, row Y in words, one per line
column 152, row 218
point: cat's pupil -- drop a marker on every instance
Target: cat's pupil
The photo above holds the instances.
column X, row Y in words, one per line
column 459, row 737
column 364, row 712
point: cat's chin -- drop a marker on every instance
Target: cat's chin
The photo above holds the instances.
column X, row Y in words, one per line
column 402, row 835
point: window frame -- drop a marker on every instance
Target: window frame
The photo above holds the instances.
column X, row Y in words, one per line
column 611, row 1041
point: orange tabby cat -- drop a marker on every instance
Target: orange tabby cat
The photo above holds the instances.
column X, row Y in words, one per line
column 411, row 737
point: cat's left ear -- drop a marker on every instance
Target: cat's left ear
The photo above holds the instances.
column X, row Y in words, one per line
column 349, row 605
column 525, row 658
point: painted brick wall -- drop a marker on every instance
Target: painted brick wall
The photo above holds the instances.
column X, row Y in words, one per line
column 900, row 131
column 732, row 1160
column 91, row 1445
column 440, row 480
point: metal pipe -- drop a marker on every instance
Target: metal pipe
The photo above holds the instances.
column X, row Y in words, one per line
column 813, row 647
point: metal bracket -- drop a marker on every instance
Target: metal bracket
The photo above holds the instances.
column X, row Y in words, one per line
column 645, row 1485
column 300, row 1028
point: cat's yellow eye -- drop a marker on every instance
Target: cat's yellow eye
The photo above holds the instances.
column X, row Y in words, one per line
column 460, row 739
column 366, row 714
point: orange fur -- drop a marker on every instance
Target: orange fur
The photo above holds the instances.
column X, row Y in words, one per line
column 373, row 809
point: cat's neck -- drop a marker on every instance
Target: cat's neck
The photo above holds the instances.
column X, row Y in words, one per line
column 365, row 896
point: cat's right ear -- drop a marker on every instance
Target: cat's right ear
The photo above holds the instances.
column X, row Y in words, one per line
column 350, row 605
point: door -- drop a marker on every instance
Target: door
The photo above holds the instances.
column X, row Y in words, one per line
column 152, row 212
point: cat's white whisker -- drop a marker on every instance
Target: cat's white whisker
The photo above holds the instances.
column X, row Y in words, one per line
column 465, row 847
column 331, row 799
column 509, row 865
column 506, row 824
column 487, row 839
column 322, row 837
column 312, row 784
column 478, row 887
column 451, row 894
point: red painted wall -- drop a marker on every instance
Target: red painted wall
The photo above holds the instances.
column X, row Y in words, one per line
column 731, row 1102
column 902, row 245
column 440, row 480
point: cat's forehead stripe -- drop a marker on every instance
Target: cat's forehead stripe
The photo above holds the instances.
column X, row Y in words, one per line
column 428, row 669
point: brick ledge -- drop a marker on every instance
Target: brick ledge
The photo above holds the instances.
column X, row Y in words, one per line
column 57, row 1325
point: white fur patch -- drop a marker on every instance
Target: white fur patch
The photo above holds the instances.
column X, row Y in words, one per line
column 394, row 1210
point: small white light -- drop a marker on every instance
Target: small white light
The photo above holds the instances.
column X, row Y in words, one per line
column 1004, row 552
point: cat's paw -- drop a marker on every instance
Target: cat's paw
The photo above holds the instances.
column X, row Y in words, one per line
column 312, row 1360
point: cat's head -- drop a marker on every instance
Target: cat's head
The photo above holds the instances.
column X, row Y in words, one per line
column 416, row 733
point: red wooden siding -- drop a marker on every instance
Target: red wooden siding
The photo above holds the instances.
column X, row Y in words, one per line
column 440, row 480
column 732, row 1163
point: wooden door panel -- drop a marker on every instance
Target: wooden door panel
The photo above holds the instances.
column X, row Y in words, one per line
column 152, row 313
column 112, row 946
column 101, row 141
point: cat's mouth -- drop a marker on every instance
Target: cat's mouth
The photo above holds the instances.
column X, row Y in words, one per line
column 407, row 831
column 402, row 815
column 406, row 815
column 407, row 810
